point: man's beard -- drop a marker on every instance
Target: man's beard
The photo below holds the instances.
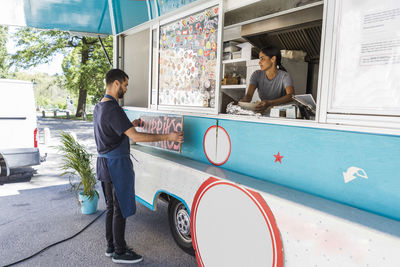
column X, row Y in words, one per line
column 120, row 92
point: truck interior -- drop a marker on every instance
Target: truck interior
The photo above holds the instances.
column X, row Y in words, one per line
column 294, row 28
column 297, row 33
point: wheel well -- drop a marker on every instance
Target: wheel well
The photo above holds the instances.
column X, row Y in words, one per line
column 164, row 197
column 4, row 170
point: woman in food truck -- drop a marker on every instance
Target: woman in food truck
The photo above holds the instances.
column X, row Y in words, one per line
column 274, row 84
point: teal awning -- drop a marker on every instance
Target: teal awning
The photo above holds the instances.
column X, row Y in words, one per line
column 89, row 16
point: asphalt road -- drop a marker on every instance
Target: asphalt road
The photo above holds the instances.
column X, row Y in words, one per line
column 40, row 211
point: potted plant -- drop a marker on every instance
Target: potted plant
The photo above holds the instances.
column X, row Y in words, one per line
column 77, row 163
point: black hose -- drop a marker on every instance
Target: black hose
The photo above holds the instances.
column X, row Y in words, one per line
column 51, row 245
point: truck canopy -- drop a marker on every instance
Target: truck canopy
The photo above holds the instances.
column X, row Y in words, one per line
column 103, row 17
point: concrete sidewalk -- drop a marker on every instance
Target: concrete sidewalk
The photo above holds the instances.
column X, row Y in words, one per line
column 38, row 217
column 43, row 211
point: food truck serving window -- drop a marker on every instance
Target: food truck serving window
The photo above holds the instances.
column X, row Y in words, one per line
column 189, row 61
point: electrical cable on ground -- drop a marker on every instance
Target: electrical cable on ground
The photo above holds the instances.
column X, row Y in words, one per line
column 51, row 245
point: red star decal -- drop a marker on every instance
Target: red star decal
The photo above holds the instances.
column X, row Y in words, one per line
column 278, row 157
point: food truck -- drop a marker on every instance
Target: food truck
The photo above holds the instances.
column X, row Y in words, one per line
column 310, row 183
column 259, row 190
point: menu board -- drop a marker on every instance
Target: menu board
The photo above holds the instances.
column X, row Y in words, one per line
column 188, row 60
column 161, row 124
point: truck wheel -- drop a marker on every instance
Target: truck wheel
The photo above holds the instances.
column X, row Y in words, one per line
column 179, row 223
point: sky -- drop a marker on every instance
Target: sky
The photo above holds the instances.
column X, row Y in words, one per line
column 52, row 68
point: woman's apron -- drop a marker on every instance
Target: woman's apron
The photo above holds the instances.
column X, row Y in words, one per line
column 122, row 176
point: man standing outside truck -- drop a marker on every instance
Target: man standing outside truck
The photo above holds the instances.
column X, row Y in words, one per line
column 112, row 130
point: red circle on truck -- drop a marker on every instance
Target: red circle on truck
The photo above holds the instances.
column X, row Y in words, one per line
column 233, row 226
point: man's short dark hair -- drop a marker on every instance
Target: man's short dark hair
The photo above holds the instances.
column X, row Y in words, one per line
column 116, row 74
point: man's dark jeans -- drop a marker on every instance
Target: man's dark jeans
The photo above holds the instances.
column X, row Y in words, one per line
column 115, row 222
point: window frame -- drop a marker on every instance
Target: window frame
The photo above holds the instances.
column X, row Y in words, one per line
column 172, row 18
column 337, row 115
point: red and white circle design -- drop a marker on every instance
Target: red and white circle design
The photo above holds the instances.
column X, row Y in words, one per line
column 217, row 145
column 233, row 226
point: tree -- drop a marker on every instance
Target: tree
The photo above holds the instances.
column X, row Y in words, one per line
column 3, row 52
column 84, row 65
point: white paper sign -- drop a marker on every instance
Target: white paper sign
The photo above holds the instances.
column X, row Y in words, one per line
column 367, row 70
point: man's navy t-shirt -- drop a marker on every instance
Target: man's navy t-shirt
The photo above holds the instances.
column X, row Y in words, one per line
column 110, row 123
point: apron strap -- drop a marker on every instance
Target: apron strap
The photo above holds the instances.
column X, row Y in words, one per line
column 109, row 97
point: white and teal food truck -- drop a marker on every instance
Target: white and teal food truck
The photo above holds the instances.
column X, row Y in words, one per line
column 257, row 190
column 307, row 184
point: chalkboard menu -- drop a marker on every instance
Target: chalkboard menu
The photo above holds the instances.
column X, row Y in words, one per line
column 188, row 60
column 161, row 124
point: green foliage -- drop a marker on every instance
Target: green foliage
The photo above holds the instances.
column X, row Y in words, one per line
column 84, row 65
column 3, row 52
column 77, row 163
column 38, row 47
column 91, row 74
column 49, row 90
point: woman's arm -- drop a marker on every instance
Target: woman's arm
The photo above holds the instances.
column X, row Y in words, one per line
column 279, row 101
column 249, row 95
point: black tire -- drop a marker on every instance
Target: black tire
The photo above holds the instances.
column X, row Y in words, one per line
column 179, row 223
column 23, row 174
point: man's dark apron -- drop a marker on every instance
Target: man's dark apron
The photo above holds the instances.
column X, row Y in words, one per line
column 122, row 175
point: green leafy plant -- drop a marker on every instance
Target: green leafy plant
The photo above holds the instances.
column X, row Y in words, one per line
column 77, row 163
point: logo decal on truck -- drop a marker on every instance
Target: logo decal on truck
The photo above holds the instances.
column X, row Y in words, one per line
column 354, row 172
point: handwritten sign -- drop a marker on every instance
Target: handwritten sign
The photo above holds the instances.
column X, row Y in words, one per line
column 162, row 124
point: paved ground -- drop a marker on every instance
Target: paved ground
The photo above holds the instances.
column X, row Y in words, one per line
column 36, row 213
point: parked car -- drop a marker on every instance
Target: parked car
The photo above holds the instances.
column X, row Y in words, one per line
column 18, row 126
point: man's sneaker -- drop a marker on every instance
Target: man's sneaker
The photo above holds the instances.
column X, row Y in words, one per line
column 109, row 251
column 128, row 257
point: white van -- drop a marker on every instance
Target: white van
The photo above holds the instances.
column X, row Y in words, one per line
column 18, row 128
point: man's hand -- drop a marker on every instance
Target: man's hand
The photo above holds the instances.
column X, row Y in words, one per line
column 262, row 106
column 136, row 123
column 176, row 137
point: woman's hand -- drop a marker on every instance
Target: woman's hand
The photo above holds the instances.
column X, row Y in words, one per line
column 262, row 106
column 136, row 123
column 176, row 137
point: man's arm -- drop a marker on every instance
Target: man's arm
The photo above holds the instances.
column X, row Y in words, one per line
column 136, row 123
column 147, row 137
